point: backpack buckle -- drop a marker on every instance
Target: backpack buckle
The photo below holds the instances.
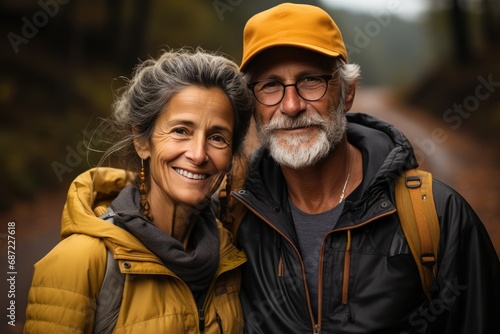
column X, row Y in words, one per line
column 413, row 182
column 428, row 259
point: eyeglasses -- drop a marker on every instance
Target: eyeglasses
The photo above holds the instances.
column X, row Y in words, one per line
column 310, row 88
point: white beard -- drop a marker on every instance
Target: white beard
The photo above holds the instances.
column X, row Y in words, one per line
column 297, row 151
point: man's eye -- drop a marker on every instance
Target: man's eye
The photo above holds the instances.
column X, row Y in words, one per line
column 270, row 86
column 311, row 80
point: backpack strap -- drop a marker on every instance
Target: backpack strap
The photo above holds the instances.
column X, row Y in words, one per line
column 419, row 221
column 110, row 295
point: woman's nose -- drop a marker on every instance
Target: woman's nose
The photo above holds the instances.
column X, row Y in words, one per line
column 197, row 151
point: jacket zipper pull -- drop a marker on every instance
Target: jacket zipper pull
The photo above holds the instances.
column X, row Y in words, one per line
column 201, row 322
column 316, row 329
column 219, row 322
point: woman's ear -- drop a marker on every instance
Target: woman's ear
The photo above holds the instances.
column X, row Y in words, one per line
column 349, row 96
column 141, row 146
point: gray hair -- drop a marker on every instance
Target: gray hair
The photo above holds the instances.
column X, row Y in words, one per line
column 347, row 74
column 156, row 81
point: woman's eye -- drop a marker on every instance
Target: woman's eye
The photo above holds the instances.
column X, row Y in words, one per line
column 179, row 131
column 218, row 140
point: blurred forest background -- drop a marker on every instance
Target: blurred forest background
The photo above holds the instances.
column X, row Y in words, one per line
column 63, row 60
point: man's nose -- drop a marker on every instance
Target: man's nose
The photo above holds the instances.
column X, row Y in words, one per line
column 292, row 104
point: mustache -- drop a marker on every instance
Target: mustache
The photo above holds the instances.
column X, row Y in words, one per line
column 302, row 121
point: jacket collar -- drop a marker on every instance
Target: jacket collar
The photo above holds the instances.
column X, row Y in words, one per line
column 386, row 153
column 89, row 196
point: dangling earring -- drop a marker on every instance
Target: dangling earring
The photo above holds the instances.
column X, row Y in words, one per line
column 143, row 190
column 224, row 213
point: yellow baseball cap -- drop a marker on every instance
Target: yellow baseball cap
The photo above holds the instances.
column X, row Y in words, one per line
column 288, row 24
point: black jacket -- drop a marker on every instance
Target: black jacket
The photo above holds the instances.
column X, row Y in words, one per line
column 377, row 289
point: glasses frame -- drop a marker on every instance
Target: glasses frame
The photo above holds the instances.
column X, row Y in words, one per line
column 325, row 77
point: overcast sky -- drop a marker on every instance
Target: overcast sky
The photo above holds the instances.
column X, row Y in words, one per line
column 410, row 9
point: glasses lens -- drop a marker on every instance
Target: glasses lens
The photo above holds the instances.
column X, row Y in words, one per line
column 312, row 88
column 268, row 92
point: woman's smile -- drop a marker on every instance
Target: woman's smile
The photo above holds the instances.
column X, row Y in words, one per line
column 190, row 175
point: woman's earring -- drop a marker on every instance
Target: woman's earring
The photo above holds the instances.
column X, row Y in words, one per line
column 224, row 214
column 143, row 190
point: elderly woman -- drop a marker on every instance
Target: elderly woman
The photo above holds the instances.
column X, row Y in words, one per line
column 184, row 116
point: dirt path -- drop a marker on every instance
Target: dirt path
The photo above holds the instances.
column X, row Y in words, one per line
column 466, row 165
column 453, row 156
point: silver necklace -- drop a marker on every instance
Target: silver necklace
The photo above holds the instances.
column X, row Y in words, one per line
column 343, row 189
column 346, row 180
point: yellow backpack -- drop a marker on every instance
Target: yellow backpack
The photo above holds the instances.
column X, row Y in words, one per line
column 416, row 211
column 418, row 217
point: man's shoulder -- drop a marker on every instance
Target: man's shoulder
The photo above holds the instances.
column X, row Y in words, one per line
column 446, row 196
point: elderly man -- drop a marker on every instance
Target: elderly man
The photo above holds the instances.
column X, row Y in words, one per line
column 325, row 246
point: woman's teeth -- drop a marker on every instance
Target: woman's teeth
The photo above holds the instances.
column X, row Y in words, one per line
column 190, row 175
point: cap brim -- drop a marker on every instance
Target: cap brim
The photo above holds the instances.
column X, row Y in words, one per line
column 251, row 56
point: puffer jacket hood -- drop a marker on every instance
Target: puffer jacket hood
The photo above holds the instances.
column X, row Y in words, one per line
column 89, row 195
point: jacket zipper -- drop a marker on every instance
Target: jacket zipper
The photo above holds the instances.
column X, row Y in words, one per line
column 201, row 320
column 219, row 322
column 201, row 311
column 345, row 285
column 316, row 326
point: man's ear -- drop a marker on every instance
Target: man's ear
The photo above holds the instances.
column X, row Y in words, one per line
column 141, row 146
column 349, row 96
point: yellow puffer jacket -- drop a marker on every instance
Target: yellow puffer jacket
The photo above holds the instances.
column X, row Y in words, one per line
column 66, row 282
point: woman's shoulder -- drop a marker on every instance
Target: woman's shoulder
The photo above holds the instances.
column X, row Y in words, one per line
column 65, row 286
column 89, row 247
column 76, row 263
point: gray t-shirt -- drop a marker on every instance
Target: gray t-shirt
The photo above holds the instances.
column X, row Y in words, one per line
column 311, row 229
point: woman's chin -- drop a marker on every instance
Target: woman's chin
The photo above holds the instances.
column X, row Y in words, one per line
column 197, row 201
